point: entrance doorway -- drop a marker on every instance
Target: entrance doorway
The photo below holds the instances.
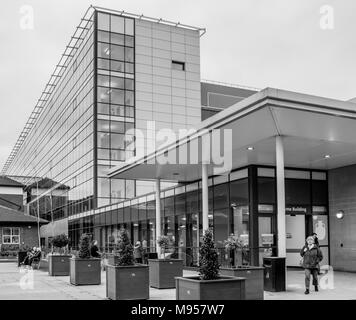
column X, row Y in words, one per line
column 295, row 232
column 266, row 237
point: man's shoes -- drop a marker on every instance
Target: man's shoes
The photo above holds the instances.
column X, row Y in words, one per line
column 316, row 288
column 306, row 291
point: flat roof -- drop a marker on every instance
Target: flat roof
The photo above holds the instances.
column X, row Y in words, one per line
column 312, row 128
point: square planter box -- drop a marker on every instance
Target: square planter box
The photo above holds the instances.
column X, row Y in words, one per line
column 163, row 272
column 224, row 288
column 85, row 271
column 127, row 283
column 254, row 284
column 58, row 265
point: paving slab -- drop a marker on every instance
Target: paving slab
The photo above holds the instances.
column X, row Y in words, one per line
column 21, row 284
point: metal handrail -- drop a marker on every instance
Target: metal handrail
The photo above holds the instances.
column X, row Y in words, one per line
column 160, row 20
column 239, row 86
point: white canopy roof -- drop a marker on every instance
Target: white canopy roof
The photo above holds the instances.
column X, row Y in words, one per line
column 312, row 128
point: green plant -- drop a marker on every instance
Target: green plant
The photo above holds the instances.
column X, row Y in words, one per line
column 164, row 243
column 60, row 241
column 124, row 250
column 234, row 244
column 84, row 246
column 208, row 258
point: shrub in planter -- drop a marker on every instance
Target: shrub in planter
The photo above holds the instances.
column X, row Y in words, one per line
column 209, row 285
column 58, row 262
column 163, row 271
column 254, row 283
column 85, row 270
column 124, row 279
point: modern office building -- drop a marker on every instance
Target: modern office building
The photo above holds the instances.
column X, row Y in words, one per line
column 289, row 158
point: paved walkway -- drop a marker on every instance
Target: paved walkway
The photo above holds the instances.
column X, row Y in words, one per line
column 17, row 284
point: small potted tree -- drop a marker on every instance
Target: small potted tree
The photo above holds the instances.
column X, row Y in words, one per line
column 254, row 284
column 85, row 270
column 124, row 279
column 58, row 260
column 163, row 271
column 209, row 285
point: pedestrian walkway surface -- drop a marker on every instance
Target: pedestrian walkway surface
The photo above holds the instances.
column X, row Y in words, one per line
column 17, row 284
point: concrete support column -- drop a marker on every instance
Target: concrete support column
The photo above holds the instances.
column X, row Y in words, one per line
column 281, row 210
column 158, row 215
column 205, row 197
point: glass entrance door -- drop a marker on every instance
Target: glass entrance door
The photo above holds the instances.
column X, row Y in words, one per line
column 266, row 236
column 295, row 232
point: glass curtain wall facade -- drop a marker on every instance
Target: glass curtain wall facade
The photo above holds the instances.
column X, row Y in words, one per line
column 115, row 103
column 57, row 155
column 242, row 204
column 80, row 134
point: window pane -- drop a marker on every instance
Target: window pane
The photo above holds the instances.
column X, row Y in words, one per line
column 130, row 188
column 6, row 231
column 130, row 112
column 297, row 191
column 103, row 154
column 103, row 140
column 176, row 65
column 129, row 54
column 103, row 21
column 118, row 188
column 117, row 96
column 118, row 39
column 239, row 192
column 129, row 68
column 266, row 190
column 221, row 196
column 117, row 24
column 117, row 52
column 129, row 126
column 103, row 81
column 103, row 36
column 117, row 141
column 169, row 206
column 103, row 108
column 104, row 187
column 240, row 223
column 118, row 111
column 320, row 192
column 118, row 66
column 15, row 239
column 129, row 84
column 220, row 227
column 129, row 27
column 117, row 83
column 103, row 95
column 104, row 50
column 103, row 64
column 117, row 127
column 117, row 155
column 6, row 239
column 180, row 202
column 104, row 125
column 129, row 98
column 129, row 41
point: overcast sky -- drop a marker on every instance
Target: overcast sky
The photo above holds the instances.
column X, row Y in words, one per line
column 259, row 43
